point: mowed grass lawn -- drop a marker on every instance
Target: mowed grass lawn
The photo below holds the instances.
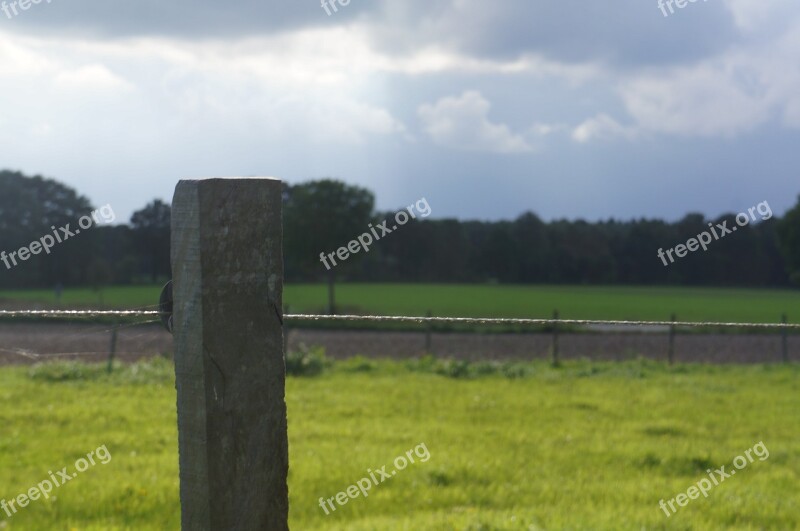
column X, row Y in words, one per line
column 585, row 446
column 476, row 300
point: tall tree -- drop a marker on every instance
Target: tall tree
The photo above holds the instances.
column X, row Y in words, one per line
column 32, row 208
column 788, row 231
column 151, row 232
column 532, row 248
column 321, row 217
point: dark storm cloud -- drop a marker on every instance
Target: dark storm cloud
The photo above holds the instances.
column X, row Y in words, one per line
column 623, row 32
column 187, row 19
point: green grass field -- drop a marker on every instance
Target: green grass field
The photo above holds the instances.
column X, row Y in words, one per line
column 573, row 302
column 585, row 446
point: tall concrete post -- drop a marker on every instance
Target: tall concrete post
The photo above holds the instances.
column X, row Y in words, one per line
column 230, row 374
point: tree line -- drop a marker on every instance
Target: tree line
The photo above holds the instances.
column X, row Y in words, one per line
column 32, row 208
column 322, row 217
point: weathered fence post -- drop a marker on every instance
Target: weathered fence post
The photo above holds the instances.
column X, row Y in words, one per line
column 555, row 338
column 785, row 339
column 671, row 352
column 230, row 373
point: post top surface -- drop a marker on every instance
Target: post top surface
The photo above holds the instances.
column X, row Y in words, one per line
column 193, row 179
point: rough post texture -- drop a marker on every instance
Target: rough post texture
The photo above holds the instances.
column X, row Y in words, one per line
column 228, row 277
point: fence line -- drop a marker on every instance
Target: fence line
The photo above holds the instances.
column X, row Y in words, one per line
column 783, row 328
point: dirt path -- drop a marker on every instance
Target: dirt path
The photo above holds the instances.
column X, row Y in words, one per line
column 29, row 343
column 716, row 348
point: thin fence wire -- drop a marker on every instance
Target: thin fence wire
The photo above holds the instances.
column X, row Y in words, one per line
column 494, row 321
column 418, row 319
column 75, row 313
column 99, row 329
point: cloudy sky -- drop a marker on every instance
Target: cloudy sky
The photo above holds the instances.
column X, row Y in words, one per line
column 569, row 108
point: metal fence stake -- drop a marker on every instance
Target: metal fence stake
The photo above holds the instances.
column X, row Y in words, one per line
column 428, row 339
column 112, row 349
column 671, row 352
column 785, row 339
column 555, row 339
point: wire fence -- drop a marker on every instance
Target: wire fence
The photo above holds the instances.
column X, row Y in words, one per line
column 121, row 330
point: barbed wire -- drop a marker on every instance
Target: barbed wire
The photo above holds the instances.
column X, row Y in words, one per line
column 520, row 321
column 420, row 319
column 75, row 313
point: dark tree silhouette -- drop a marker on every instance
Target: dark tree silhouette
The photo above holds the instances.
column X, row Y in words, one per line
column 788, row 231
column 151, row 234
column 321, row 217
column 29, row 209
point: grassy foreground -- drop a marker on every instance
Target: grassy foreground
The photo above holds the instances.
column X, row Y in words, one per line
column 584, row 446
column 573, row 302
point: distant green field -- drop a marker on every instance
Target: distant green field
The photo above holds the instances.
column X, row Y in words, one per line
column 141, row 297
column 576, row 302
column 586, row 446
column 573, row 302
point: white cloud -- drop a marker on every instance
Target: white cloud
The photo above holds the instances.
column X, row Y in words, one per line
column 18, row 58
column 741, row 89
column 463, row 123
column 701, row 101
column 728, row 96
column 755, row 15
column 91, row 77
column 602, row 126
column 310, row 85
